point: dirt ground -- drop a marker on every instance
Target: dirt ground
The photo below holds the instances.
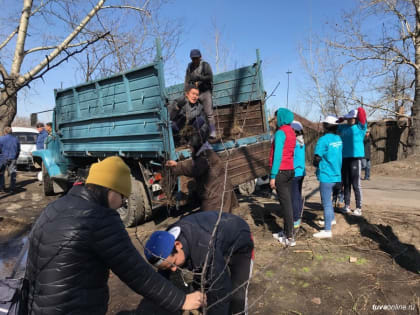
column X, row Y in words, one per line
column 371, row 262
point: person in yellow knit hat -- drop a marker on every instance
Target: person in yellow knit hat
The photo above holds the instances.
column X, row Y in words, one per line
column 79, row 238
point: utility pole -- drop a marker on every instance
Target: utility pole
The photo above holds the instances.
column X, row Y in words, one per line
column 287, row 97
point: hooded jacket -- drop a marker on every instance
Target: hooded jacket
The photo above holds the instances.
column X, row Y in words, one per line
column 72, row 246
column 283, row 146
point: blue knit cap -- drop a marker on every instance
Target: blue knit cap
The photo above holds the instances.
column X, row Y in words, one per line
column 159, row 245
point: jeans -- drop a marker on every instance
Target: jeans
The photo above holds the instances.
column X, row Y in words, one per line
column 366, row 167
column 326, row 190
column 297, row 201
column 11, row 168
column 284, row 189
column 351, row 177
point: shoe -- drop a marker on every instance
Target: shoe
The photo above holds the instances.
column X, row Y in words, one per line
column 278, row 235
column 323, row 234
column 296, row 224
column 287, row 241
column 321, row 223
column 346, row 209
column 357, row 212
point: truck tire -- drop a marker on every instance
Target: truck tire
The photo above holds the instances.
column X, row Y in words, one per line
column 47, row 182
column 138, row 208
column 247, row 188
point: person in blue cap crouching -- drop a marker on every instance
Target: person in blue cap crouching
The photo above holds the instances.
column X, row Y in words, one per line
column 186, row 244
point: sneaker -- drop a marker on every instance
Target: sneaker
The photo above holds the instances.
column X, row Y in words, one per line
column 321, row 223
column 278, row 235
column 323, row 234
column 296, row 224
column 346, row 209
column 357, row 212
column 287, row 241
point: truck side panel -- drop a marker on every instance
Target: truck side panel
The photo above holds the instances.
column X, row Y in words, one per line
column 123, row 114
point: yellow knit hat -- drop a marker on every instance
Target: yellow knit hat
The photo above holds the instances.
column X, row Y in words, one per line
column 111, row 173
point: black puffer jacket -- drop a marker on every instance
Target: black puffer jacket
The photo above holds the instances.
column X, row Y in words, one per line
column 73, row 244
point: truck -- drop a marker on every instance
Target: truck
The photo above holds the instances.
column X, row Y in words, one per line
column 126, row 115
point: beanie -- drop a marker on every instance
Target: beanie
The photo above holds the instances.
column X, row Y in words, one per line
column 111, row 173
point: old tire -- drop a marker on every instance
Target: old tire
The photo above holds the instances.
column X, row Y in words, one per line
column 138, row 208
column 47, row 182
column 247, row 188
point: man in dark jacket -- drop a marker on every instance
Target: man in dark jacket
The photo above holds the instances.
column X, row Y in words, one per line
column 186, row 244
column 10, row 149
column 214, row 187
column 366, row 161
column 76, row 241
column 200, row 75
column 43, row 134
column 188, row 111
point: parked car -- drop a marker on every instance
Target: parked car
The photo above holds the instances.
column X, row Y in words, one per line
column 27, row 138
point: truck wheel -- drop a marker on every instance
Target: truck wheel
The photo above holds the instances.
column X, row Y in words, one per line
column 138, row 208
column 247, row 188
column 47, row 182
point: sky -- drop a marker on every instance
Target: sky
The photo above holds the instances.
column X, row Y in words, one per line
column 276, row 27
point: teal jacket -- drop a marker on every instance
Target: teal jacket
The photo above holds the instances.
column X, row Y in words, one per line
column 299, row 159
column 353, row 136
column 283, row 148
column 329, row 147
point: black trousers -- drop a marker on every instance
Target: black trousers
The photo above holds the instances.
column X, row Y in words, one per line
column 351, row 171
column 284, row 193
column 240, row 267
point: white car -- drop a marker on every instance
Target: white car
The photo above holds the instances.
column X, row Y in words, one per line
column 27, row 138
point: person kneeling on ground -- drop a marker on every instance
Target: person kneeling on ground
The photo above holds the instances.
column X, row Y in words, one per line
column 186, row 244
column 282, row 171
column 188, row 111
column 78, row 238
column 214, row 187
column 328, row 159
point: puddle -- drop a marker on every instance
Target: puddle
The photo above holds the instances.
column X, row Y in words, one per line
column 9, row 254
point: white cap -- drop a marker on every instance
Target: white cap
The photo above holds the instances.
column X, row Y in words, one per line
column 351, row 114
column 331, row 120
column 296, row 125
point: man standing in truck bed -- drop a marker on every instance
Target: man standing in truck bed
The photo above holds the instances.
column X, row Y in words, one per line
column 199, row 74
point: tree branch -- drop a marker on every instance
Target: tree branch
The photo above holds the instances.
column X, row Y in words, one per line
column 14, row 32
column 22, row 32
column 32, row 50
column 22, row 79
column 142, row 10
column 48, row 68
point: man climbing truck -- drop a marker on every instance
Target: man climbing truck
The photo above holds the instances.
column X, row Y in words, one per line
column 126, row 115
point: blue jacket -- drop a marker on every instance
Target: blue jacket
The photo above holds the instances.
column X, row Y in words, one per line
column 299, row 159
column 353, row 137
column 9, row 148
column 329, row 147
column 41, row 139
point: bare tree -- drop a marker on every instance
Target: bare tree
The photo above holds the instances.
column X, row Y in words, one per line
column 396, row 44
column 104, row 36
column 329, row 86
